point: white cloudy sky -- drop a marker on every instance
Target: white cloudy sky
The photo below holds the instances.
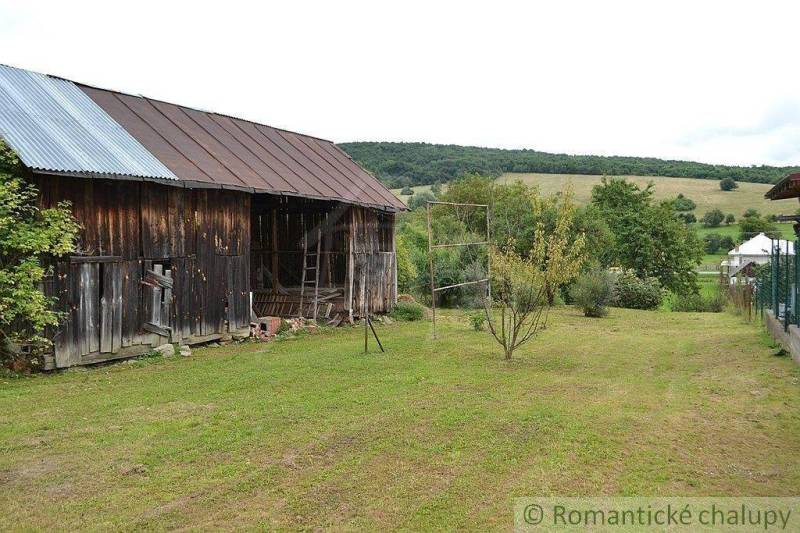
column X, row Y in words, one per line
column 702, row 80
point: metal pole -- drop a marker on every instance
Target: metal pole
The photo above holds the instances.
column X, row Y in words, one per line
column 786, row 293
column 433, row 274
column 776, row 267
column 795, row 288
column 488, row 257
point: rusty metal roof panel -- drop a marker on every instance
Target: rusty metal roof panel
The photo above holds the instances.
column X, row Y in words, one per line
column 54, row 126
column 218, row 150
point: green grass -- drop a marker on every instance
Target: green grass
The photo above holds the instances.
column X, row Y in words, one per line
column 311, row 433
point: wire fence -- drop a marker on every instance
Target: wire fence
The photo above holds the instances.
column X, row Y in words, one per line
column 777, row 285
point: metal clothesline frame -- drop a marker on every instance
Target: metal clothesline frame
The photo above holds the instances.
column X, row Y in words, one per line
column 432, row 247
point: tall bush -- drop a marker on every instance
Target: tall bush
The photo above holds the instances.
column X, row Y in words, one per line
column 632, row 292
column 593, row 292
column 28, row 236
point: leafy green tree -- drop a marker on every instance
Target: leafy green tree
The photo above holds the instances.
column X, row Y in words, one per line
column 752, row 224
column 29, row 236
column 712, row 242
column 730, row 219
column 688, row 218
column 520, row 284
column 407, row 191
column 750, row 212
column 648, row 239
column 682, row 203
column 728, row 184
column 713, row 218
column 727, row 243
column 420, row 200
column 406, row 268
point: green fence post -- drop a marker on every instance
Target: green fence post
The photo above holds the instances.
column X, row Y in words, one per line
column 775, row 268
column 786, row 292
column 795, row 291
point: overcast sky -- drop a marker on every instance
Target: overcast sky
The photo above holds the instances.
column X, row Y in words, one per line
column 717, row 82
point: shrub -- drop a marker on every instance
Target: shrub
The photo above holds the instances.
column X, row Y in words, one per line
column 29, row 237
column 712, row 242
column 593, row 292
column 682, row 203
column 730, row 218
column 477, row 320
column 407, row 311
column 698, row 303
column 421, row 200
column 632, row 292
column 713, row 218
column 728, row 184
column 407, row 191
column 727, row 243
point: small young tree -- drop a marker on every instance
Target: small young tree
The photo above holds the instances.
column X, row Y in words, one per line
column 730, row 219
column 520, row 284
column 728, row 184
column 28, row 234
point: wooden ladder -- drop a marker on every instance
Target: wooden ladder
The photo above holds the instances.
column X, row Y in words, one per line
column 306, row 282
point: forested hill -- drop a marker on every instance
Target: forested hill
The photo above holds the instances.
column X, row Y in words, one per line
column 400, row 164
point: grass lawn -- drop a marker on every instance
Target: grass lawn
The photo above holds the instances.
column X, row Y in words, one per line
column 312, row 433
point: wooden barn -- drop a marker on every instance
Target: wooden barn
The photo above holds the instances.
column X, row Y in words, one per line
column 193, row 222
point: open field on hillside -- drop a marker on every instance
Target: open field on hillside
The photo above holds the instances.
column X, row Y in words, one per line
column 706, row 193
column 311, row 433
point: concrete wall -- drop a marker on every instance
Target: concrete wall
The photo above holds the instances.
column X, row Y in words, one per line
column 790, row 340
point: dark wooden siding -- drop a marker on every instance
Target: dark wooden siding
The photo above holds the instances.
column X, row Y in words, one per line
column 373, row 269
column 201, row 237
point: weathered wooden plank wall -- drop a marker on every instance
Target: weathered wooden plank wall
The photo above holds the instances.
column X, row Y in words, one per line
column 201, row 237
column 373, row 271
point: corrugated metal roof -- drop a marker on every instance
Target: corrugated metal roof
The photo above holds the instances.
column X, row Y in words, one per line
column 54, row 126
column 209, row 149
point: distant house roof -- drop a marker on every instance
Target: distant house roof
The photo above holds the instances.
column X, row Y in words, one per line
column 196, row 148
column 55, row 127
column 788, row 187
column 762, row 245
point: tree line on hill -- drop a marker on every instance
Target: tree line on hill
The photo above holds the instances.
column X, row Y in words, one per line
column 403, row 164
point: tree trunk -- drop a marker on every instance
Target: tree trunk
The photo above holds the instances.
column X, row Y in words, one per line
column 551, row 295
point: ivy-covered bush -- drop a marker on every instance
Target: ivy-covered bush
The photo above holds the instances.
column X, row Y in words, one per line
column 28, row 235
column 636, row 293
